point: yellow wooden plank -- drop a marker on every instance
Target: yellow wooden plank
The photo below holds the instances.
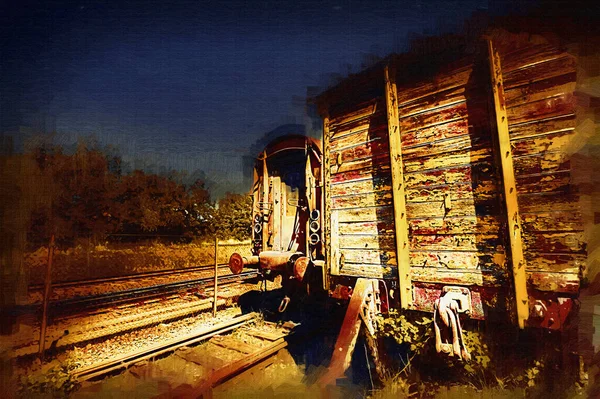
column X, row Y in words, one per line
column 510, row 190
column 330, row 267
column 335, row 255
column 399, row 198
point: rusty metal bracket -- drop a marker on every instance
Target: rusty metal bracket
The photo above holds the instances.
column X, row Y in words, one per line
column 461, row 295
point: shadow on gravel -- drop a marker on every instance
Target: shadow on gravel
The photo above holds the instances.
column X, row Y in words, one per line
column 318, row 321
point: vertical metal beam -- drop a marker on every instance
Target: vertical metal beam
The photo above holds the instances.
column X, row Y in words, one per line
column 255, row 202
column 399, row 197
column 266, row 206
column 330, row 267
column 276, row 224
column 510, row 189
column 311, row 197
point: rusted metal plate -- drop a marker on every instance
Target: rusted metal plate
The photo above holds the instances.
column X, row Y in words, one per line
column 549, row 311
column 425, row 297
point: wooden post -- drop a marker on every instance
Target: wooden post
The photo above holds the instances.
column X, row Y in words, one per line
column 47, row 286
column 216, row 275
column 510, row 189
column 399, row 197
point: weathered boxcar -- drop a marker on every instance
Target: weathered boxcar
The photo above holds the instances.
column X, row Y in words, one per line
column 452, row 172
column 452, row 176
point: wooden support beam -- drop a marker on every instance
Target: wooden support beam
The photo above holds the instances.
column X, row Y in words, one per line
column 330, row 266
column 346, row 340
column 399, row 196
column 510, row 189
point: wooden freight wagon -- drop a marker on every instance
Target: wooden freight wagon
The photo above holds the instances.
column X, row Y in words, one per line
column 449, row 171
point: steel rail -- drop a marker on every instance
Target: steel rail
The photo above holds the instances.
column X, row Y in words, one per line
column 153, row 291
column 74, row 283
column 63, row 307
column 157, row 350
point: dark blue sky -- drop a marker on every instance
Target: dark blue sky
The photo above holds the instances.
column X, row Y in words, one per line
column 190, row 84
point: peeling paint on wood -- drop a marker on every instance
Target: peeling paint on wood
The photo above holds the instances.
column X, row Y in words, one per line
column 370, row 256
column 368, row 241
column 457, row 227
column 370, row 227
column 557, row 105
column 540, row 71
column 440, row 83
column 457, row 260
column 483, row 243
column 556, row 282
column 552, row 221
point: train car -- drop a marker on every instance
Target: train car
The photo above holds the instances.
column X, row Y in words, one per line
column 450, row 185
column 286, row 214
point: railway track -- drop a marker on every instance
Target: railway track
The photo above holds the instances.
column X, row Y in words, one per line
column 92, row 326
column 137, row 276
column 223, row 357
column 77, row 305
column 128, row 359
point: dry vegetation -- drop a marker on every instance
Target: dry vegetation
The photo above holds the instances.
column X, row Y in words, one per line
column 504, row 363
column 117, row 259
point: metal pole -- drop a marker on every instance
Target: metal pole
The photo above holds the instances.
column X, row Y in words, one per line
column 46, row 294
column 216, row 276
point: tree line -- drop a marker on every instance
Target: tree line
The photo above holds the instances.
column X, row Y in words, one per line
column 86, row 195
